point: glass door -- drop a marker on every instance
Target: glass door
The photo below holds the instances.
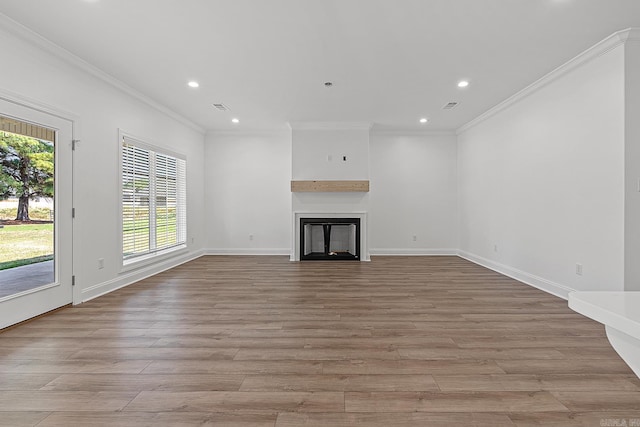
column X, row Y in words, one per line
column 36, row 225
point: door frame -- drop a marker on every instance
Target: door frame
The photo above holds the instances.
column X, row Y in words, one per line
column 73, row 121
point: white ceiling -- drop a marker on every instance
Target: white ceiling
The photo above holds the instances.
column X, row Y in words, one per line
column 391, row 61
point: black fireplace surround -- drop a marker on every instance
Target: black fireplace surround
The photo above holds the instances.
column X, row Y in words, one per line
column 329, row 239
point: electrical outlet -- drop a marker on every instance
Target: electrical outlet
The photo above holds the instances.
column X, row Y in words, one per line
column 579, row 269
column 344, row 158
column 415, row 238
column 193, row 239
column 100, row 263
column 250, row 236
column 329, row 158
column 495, row 248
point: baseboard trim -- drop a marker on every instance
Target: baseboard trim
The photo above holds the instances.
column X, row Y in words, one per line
column 134, row 276
column 379, row 252
column 545, row 285
column 413, row 252
column 248, row 251
column 129, row 278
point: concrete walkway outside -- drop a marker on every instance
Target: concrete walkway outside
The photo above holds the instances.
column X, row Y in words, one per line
column 27, row 277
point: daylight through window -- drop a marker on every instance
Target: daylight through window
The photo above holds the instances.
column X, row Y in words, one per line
column 153, row 201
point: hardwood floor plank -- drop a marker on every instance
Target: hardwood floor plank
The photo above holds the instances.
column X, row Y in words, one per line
column 580, row 419
column 14, row 353
column 127, row 382
column 77, row 366
column 452, row 402
column 72, row 344
column 234, row 367
column 408, row 367
column 23, row 382
column 530, row 341
column 42, row 401
column 303, row 333
column 228, row 342
column 349, row 325
column 589, row 353
column 47, row 332
column 22, row 419
column 518, row 382
column 495, row 354
column 582, row 401
column 154, row 353
column 565, row 366
column 380, row 343
column 339, row 383
column 211, row 331
column 316, row 354
column 160, row 419
column 220, row 401
column 409, row 419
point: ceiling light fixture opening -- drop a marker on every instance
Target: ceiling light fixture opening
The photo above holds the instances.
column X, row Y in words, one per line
column 424, row 120
column 463, row 83
column 193, row 84
column 235, row 120
column 328, row 84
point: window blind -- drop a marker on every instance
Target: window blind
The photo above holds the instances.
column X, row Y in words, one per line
column 153, row 201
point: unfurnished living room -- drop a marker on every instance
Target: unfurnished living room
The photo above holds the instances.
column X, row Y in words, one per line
column 320, row 213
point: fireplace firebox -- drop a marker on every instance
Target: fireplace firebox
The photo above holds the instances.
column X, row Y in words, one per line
column 329, row 239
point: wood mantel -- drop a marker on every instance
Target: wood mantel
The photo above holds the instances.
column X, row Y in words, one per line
column 329, row 186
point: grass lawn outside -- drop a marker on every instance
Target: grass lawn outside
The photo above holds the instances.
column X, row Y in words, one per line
column 25, row 244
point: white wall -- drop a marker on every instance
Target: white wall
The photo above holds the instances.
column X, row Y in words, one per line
column 413, row 193
column 413, row 188
column 632, row 163
column 317, row 154
column 541, row 182
column 100, row 110
column 248, row 192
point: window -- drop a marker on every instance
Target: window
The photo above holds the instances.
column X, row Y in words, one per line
column 154, row 203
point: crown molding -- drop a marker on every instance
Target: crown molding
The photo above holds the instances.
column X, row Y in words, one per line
column 330, row 125
column 248, row 133
column 617, row 39
column 18, row 30
column 629, row 35
column 412, row 132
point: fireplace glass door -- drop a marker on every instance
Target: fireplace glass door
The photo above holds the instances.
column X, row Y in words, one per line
column 329, row 238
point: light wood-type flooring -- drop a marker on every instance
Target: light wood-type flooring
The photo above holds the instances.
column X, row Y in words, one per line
column 261, row 341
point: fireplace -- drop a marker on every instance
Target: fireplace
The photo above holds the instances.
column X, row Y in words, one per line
column 329, row 216
column 329, row 239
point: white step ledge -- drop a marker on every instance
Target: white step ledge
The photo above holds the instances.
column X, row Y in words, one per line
column 620, row 313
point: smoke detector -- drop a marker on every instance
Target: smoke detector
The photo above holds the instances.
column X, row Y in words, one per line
column 450, row 106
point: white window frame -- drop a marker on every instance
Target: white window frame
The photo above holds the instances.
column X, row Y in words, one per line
column 153, row 255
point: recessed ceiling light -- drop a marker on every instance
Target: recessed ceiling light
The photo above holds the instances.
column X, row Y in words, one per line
column 193, row 83
column 424, row 120
column 463, row 83
column 234, row 120
column 328, row 84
